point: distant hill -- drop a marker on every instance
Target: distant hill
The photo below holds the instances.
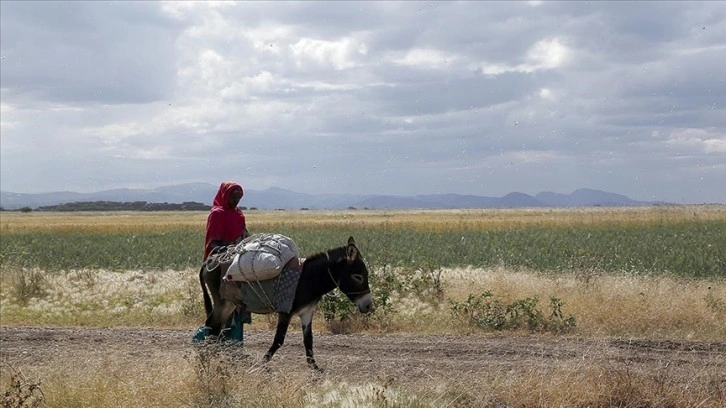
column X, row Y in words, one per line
column 278, row 198
column 584, row 197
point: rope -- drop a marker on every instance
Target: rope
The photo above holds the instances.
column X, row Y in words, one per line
column 337, row 284
column 266, row 242
column 265, row 299
column 230, row 251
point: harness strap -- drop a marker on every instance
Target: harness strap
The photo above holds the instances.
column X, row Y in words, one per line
column 337, row 284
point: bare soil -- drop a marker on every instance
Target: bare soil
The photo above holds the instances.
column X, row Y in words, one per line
column 395, row 358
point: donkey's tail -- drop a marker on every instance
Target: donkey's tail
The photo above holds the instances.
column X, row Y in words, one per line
column 207, row 300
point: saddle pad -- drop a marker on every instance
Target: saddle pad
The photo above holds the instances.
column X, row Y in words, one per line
column 272, row 295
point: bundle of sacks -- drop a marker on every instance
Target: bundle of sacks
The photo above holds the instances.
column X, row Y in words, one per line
column 261, row 257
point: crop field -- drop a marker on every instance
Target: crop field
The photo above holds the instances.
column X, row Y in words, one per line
column 595, row 307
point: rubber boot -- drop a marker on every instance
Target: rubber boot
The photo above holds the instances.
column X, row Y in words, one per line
column 201, row 334
column 234, row 329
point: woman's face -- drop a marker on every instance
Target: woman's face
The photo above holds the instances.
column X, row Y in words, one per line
column 234, row 197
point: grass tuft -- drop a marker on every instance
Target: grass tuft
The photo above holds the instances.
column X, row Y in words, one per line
column 18, row 391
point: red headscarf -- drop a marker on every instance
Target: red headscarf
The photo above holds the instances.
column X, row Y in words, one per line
column 225, row 222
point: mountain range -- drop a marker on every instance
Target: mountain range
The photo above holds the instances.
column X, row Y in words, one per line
column 278, row 198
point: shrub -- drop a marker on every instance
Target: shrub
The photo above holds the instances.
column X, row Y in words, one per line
column 27, row 284
column 21, row 392
column 484, row 312
column 387, row 283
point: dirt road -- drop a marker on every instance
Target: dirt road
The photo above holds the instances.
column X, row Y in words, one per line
column 403, row 357
column 403, row 360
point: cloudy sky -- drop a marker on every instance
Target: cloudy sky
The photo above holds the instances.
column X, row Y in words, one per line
column 401, row 98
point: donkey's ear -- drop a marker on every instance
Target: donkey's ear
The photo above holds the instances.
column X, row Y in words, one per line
column 351, row 251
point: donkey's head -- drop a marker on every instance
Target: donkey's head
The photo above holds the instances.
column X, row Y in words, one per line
column 354, row 279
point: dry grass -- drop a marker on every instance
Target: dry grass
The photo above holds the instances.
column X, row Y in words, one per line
column 601, row 385
column 605, row 306
column 213, row 379
column 101, row 221
column 485, row 219
column 425, row 220
column 628, row 306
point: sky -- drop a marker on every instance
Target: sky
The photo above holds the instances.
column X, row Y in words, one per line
column 401, row 98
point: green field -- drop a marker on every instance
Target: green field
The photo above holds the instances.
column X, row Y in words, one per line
column 688, row 242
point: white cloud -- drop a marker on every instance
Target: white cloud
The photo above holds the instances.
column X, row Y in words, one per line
column 701, row 50
column 366, row 97
column 182, row 9
column 546, row 93
column 544, row 55
column 426, row 58
column 528, row 156
column 339, row 55
column 697, row 140
column 250, row 86
column 495, row 69
column 715, row 145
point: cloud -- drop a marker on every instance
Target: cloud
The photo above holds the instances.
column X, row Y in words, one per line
column 697, row 141
column 425, row 58
column 380, row 97
column 543, row 55
column 70, row 52
column 338, row 55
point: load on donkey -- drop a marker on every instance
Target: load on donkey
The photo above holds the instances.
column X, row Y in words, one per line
column 279, row 282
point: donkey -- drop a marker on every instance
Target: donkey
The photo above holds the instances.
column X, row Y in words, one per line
column 341, row 268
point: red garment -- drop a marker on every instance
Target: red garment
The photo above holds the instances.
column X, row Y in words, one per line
column 224, row 222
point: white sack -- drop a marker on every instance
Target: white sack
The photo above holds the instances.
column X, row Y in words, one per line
column 261, row 257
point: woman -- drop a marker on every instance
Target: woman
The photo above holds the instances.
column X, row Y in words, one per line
column 226, row 226
column 225, row 222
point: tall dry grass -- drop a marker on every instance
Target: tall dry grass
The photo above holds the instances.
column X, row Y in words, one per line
column 213, row 379
column 603, row 305
column 101, row 221
column 422, row 220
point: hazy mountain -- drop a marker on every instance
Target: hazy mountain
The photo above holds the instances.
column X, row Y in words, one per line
column 197, row 192
column 450, row 201
column 585, row 197
column 278, row 198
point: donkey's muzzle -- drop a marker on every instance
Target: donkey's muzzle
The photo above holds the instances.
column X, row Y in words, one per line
column 365, row 303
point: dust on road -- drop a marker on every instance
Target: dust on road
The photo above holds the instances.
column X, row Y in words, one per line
column 403, row 358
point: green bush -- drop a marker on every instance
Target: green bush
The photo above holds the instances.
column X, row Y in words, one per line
column 386, row 283
column 484, row 312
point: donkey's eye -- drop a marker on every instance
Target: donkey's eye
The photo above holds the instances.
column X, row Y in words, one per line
column 357, row 277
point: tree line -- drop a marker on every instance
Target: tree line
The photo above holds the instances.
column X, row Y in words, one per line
column 120, row 206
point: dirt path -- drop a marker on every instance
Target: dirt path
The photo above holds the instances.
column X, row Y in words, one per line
column 355, row 357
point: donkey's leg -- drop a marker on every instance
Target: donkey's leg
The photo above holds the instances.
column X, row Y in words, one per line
column 219, row 317
column 283, row 321
column 306, row 320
